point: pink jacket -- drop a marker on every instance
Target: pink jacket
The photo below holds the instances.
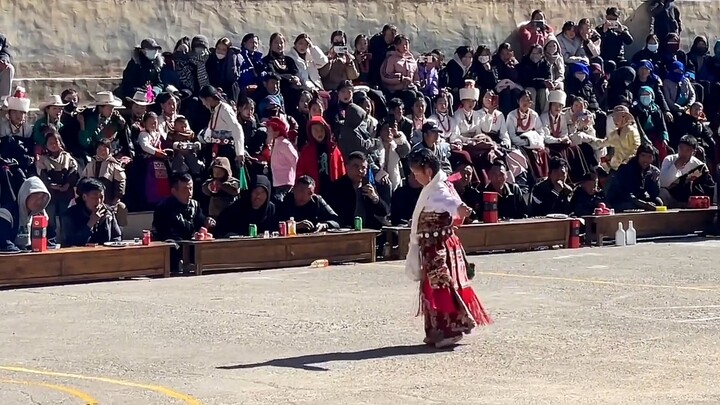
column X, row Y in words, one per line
column 283, row 162
column 397, row 66
column 530, row 36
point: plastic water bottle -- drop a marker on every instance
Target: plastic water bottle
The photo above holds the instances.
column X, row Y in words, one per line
column 320, row 263
column 292, row 227
column 631, row 234
column 620, row 235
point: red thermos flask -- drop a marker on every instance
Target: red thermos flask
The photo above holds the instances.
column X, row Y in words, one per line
column 38, row 233
column 490, row 207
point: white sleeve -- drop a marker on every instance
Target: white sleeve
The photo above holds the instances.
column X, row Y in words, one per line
column 319, row 58
column 145, row 144
column 512, row 130
column 667, row 171
column 232, row 123
column 503, row 132
column 444, row 200
column 547, row 135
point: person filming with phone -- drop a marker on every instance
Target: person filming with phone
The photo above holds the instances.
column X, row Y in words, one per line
column 535, row 32
column 90, row 221
column 614, row 36
column 341, row 63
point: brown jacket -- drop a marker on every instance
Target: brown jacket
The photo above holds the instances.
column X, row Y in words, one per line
column 335, row 72
column 227, row 191
column 111, row 174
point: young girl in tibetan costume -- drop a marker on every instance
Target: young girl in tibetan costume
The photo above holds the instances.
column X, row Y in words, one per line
column 436, row 257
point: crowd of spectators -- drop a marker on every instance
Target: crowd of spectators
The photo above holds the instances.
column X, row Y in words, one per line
column 223, row 136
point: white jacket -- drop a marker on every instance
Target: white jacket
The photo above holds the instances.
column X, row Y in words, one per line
column 308, row 67
column 390, row 153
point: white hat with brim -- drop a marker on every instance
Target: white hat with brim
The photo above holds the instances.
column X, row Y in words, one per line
column 18, row 104
column 53, row 100
column 140, row 98
column 557, row 96
column 106, row 98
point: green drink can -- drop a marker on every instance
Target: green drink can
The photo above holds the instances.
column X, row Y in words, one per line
column 252, row 231
column 358, row 224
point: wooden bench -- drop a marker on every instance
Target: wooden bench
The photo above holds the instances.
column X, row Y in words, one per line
column 649, row 224
column 84, row 264
column 521, row 234
column 288, row 251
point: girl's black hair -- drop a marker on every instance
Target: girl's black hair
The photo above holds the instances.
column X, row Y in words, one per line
column 245, row 101
column 247, row 37
column 149, row 115
column 424, row 159
column 461, row 51
column 359, row 38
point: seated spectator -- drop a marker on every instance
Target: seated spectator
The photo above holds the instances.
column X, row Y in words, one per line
column 571, row 45
column 581, row 130
column 354, row 136
column 395, row 147
column 59, row 171
column 508, row 85
column 223, row 67
column 320, row 158
column 682, row 175
column 104, row 122
column 527, row 133
column 157, row 184
column 483, row 70
column 535, row 32
column 467, row 189
column 649, row 53
column 133, row 116
column 251, row 67
column 698, row 55
column 339, row 64
column 579, row 85
column 418, row 118
column 363, row 58
column 143, row 68
column 446, row 122
column 221, row 187
column 651, row 121
column 185, row 146
column 431, row 140
column 253, row 208
column 309, row 58
column 178, row 216
column 110, row 173
column 51, row 110
column 614, row 37
column 90, row 221
column 557, row 137
column 33, row 199
column 536, row 77
column 551, row 53
column 404, row 200
column 646, row 77
column 586, row 196
column 400, row 72
column 678, row 90
column 459, row 69
column 7, row 70
column 283, row 160
column 635, row 185
column 694, row 123
column 276, row 62
column 191, row 67
column 671, row 53
column 224, row 134
column 599, row 81
column 309, row 210
column 511, row 202
column 552, row 195
column 16, row 141
column 353, row 196
column 624, row 139
column 619, row 87
column 396, row 113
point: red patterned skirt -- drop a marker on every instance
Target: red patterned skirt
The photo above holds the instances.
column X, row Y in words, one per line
column 448, row 302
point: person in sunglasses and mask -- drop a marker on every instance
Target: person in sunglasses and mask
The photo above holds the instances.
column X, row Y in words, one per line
column 143, row 68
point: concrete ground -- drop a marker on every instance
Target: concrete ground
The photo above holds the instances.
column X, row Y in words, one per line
column 635, row 325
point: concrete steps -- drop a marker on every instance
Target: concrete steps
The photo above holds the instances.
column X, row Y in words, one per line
column 39, row 88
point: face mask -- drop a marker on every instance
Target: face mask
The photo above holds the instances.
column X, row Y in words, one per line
column 652, row 47
column 581, row 76
column 535, row 57
column 645, row 100
column 220, row 56
column 484, row 59
column 150, row 53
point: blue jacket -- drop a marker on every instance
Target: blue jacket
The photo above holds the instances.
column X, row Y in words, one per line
column 251, row 67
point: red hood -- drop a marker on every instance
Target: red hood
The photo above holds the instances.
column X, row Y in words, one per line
column 317, row 120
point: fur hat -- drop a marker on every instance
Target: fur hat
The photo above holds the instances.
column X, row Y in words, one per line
column 18, row 104
column 557, row 96
column 469, row 92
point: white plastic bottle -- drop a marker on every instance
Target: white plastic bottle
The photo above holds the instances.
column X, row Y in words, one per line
column 291, row 227
column 620, row 235
column 631, row 234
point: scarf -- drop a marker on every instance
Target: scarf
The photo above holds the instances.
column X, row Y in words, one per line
column 412, row 263
column 465, row 69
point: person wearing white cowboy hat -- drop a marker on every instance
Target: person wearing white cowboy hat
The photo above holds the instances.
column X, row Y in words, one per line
column 104, row 122
column 138, row 106
column 467, row 118
column 624, row 139
column 16, row 132
column 52, row 109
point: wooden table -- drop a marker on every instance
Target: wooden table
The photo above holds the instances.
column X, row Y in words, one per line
column 84, row 264
column 521, row 234
column 287, row 251
column 649, row 223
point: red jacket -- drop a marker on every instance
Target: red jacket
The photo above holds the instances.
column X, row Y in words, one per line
column 308, row 165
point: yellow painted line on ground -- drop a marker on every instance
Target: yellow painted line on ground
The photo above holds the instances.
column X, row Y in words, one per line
column 586, row 281
column 87, row 399
column 156, row 388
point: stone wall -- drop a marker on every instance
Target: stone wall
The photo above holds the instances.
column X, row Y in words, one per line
column 81, row 38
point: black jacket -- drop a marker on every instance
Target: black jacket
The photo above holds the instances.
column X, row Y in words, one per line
column 546, row 200
column 612, row 45
column 665, row 19
column 316, row 211
column 453, row 77
column 654, row 83
column 511, row 203
column 76, row 232
column 175, row 221
column 534, row 74
column 403, row 204
column 139, row 71
column 5, row 53
column 575, row 88
column 631, row 182
column 583, row 204
column 686, row 124
column 344, row 200
column 237, row 217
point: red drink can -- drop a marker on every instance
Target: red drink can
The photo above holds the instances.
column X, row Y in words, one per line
column 147, row 237
column 283, row 228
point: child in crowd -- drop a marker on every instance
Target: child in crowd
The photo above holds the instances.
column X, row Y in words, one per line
column 256, row 139
column 157, row 185
column 110, row 173
column 283, row 160
column 59, row 171
column 221, row 187
column 185, row 145
column 363, row 58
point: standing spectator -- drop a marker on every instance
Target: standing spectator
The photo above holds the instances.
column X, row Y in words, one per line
column 143, row 68
column 223, row 67
column 571, row 45
column 309, row 58
column 378, row 48
column 363, row 58
column 665, row 19
column 7, row 70
column 614, row 37
column 90, row 221
column 395, row 147
column 339, row 65
column 552, row 55
column 224, row 133
column 283, row 160
column 535, row 32
column 354, row 136
column 508, row 85
column 278, row 63
column 157, row 185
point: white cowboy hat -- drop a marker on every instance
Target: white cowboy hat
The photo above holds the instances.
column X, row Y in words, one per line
column 52, row 100
column 140, row 98
column 106, row 98
column 18, row 104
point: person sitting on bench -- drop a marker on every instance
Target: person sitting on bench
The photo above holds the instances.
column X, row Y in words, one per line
column 635, row 185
